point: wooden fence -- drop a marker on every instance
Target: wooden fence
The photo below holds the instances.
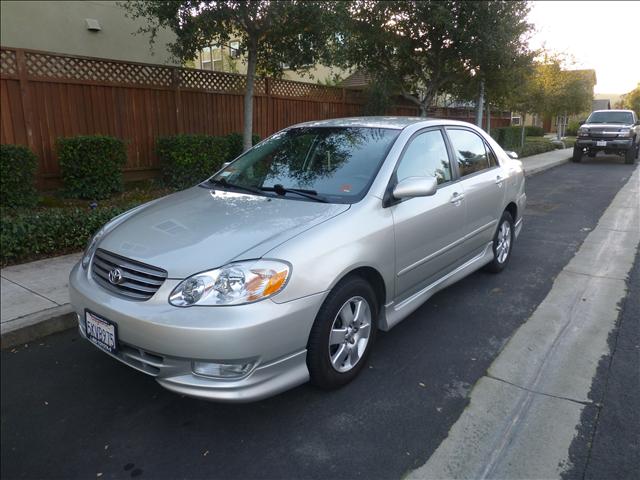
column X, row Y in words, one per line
column 48, row 95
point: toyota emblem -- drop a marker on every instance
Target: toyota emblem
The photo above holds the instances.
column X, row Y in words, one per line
column 115, row 276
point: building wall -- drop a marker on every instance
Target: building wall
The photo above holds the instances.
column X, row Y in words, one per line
column 60, row 27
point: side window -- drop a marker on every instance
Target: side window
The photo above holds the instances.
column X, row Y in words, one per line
column 426, row 155
column 471, row 155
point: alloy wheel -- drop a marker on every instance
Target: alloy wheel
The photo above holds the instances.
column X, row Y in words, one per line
column 349, row 334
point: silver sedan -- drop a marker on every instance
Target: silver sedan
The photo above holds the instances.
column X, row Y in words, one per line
column 282, row 266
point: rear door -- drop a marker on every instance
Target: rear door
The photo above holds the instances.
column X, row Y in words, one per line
column 427, row 229
column 483, row 183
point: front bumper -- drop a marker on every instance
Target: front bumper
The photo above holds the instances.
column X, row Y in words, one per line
column 611, row 143
column 163, row 341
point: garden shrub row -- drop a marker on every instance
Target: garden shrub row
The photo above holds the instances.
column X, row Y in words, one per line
column 188, row 159
column 27, row 234
column 509, row 137
column 91, row 165
column 17, row 171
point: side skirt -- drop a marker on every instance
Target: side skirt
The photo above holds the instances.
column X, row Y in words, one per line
column 394, row 313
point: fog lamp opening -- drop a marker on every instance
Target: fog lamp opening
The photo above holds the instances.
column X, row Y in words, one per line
column 221, row 370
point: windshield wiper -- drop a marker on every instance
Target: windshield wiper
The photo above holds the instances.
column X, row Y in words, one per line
column 310, row 194
column 245, row 188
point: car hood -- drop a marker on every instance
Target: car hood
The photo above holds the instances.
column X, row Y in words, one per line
column 606, row 126
column 199, row 228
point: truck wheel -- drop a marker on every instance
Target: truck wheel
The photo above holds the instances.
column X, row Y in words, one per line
column 577, row 154
column 630, row 154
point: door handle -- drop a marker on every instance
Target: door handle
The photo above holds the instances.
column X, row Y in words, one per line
column 499, row 180
column 456, row 197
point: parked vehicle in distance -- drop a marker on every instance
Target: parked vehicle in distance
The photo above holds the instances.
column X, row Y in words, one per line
column 282, row 266
column 609, row 131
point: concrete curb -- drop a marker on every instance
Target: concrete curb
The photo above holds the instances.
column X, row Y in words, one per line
column 57, row 319
column 38, row 325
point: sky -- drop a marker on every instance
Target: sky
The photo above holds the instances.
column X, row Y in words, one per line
column 603, row 35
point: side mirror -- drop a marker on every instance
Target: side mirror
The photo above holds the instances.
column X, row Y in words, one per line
column 581, row 122
column 415, row 187
column 511, row 155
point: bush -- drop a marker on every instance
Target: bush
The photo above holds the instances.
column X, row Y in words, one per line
column 507, row 137
column 234, row 142
column 186, row 160
column 30, row 234
column 572, row 128
column 533, row 131
column 17, row 170
column 91, row 166
column 535, row 148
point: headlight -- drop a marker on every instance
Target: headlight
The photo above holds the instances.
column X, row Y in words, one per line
column 583, row 132
column 91, row 246
column 233, row 284
column 624, row 132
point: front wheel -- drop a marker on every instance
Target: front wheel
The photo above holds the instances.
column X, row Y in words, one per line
column 502, row 244
column 577, row 154
column 342, row 334
column 630, row 154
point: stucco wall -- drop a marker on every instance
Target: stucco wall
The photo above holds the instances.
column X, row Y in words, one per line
column 60, row 27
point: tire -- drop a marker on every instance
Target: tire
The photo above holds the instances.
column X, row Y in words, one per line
column 577, row 154
column 500, row 257
column 334, row 365
column 630, row 155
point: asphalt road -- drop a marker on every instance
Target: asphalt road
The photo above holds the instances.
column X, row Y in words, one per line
column 67, row 410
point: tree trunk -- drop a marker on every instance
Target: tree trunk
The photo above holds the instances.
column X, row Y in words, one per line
column 423, row 109
column 247, row 125
column 480, row 105
column 522, row 130
column 488, row 118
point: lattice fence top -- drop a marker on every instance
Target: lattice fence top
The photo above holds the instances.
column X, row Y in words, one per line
column 8, row 62
column 60, row 67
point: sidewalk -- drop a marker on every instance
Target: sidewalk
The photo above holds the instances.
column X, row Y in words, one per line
column 34, row 297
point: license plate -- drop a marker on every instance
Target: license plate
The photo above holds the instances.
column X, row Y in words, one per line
column 601, row 143
column 101, row 332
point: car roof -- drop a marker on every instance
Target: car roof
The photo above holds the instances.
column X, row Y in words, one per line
column 397, row 123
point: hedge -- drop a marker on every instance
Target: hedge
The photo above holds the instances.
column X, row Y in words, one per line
column 30, row 234
column 91, row 165
column 186, row 160
column 509, row 137
column 17, row 171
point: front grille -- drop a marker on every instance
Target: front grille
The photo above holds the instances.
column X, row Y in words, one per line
column 139, row 281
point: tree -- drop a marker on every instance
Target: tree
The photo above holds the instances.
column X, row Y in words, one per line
column 631, row 100
column 425, row 48
column 271, row 33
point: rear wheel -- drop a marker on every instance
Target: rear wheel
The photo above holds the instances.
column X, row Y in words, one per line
column 342, row 334
column 577, row 154
column 502, row 244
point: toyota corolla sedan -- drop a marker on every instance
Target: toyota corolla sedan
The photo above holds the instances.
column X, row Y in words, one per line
column 282, row 266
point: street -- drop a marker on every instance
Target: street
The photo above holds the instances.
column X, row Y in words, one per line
column 71, row 411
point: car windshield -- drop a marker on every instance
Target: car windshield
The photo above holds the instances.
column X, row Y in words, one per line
column 610, row 117
column 334, row 164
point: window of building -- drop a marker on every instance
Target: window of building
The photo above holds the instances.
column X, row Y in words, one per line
column 426, row 155
column 234, row 49
column 211, row 58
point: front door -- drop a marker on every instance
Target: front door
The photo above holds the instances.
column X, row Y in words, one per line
column 427, row 229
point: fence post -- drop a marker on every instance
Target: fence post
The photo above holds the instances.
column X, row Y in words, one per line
column 270, row 112
column 175, row 80
column 24, row 97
